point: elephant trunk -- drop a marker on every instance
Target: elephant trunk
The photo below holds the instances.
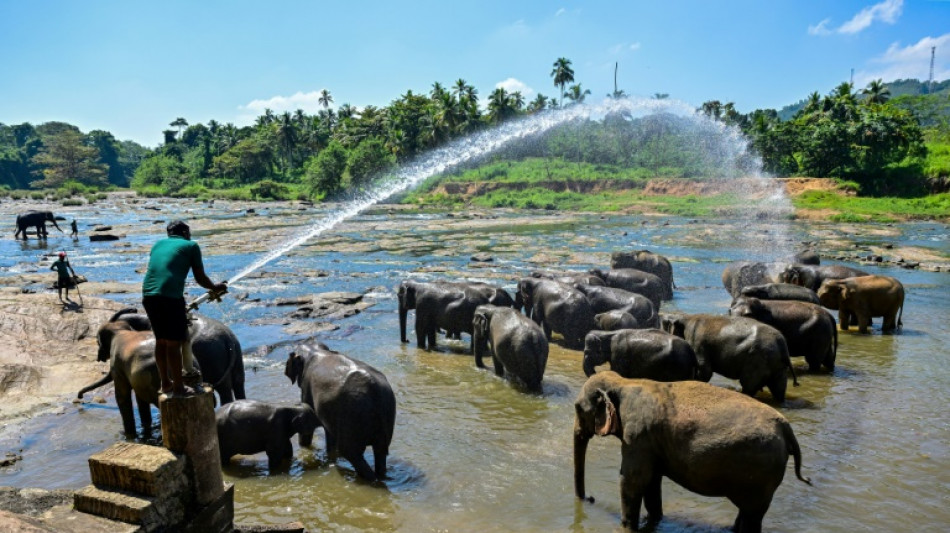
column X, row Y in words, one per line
column 479, row 344
column 580, row 456
column 591, row 359
column 56, row 225
column 403, row 316
column 105, row 379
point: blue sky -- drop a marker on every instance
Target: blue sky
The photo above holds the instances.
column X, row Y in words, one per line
column 133, row 67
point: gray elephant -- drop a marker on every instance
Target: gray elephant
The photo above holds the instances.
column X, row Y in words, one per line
column 738, row 348
column 809, row 330
column 647, row 261
column 35, row 219
column 614, row 320
column 741, row 274
column 633, row 280
column 811, row 276
column 806, row 257
column 640, row 353
column 604, row 299
column 247, row 427
column 353, row 401
column 706, row 439
column 557, row 307
column 127, row 342
column 517, row 345
column 443, row 305
column 865, row 297
column 568, row 277
column 780, row 291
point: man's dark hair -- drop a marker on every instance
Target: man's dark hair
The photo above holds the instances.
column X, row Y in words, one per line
column 177, row 227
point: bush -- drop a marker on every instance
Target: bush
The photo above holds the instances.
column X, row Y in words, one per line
column 846, row 217
column 71, row 201
column 269, row 189
column 37, row 195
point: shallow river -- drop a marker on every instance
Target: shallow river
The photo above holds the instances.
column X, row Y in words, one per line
column 472, row 453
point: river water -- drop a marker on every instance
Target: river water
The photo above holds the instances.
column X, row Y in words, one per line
column 472, row 453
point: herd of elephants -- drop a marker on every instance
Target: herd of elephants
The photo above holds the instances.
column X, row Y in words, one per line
column 655, row 398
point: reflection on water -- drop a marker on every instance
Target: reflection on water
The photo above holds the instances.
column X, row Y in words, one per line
column 473, row 453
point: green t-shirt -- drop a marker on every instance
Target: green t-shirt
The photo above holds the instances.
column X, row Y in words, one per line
column 168, row 266
column 61, row 266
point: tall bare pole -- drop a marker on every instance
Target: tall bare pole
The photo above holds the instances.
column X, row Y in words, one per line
column 617, row 65
column 933, row 52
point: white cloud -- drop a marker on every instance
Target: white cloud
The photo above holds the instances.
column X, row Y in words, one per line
column 621, row 47
column 635, row 46
column 820, row 29
column 887, row 11
column 912, row 61
column 309, row 102
column 512, row 84
column 560, row 12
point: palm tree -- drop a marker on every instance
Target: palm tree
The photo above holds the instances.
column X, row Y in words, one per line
column 576, row 94
column 517, row 100
column 812, row 103
column 660, row 96
column 540, row 103
column 499, row 105
column 876, row 92
column 286, row 138
column 179, row 123
column 437, row 91
column 345, row 111
column 325, row 99
column 562, row 74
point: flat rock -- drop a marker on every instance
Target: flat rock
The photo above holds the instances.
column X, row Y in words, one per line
column 103, row 237
column 309, row 328
column 344, row 298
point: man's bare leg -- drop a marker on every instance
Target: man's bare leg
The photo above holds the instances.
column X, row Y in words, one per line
column 161, row 360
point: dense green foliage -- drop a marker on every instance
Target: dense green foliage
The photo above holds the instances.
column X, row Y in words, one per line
column 54, row 153
column 859, row 209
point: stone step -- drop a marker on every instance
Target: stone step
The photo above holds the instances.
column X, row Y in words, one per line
column 139, row 469
column 114, row 505
column 152, row 513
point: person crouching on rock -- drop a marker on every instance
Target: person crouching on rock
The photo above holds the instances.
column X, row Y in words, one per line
column 64, row 281
column 163, row 297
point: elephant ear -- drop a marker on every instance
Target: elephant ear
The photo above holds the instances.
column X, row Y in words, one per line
column 606, row 420
column 845, row 291
column 294, row 367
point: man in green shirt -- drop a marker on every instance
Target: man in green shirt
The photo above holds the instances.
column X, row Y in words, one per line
column 163, row 297
column 65, row 281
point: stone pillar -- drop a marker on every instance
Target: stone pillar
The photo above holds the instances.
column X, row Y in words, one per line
column 188, row 427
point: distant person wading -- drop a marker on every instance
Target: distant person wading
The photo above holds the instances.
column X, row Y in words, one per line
column 163, row 296
column 64, row 279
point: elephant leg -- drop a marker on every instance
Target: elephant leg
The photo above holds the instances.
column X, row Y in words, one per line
column 890, row 321
column 653, row 499
column 749, row 521
column 499, row 368
column 379, row 459
column 863, row 322
column 123, row 398
column 420, row 331
column 778, row 386
column 355, row 457
column 225, row 393
column 844, row 319
column 431, row 338
column 145, row 415
column 635, row 477
column 331, row 441
column 277, row 451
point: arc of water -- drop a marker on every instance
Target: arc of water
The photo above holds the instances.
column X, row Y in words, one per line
column 460, row 151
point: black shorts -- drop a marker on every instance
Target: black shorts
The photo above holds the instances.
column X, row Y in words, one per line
column 168, row 317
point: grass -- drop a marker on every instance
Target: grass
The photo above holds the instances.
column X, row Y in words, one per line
column 884, row 209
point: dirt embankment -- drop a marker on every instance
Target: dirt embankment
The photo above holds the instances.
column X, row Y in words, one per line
column 654, row 187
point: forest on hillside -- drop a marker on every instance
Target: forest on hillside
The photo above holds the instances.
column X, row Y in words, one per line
column 884, row 145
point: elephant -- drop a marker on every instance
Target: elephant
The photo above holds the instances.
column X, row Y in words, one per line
column 780, row 291
column 36, row 219
column 616, row 319
column 518, row 346
column 633, row 280
column 741, row 274
column 443, row 305
column 247, row 427
column 641, row 353
column 708, row 440
column 647, row 261
column 812, row 276
column 569, row 277
column 809, row 330
column 603, row 299
column 126, row 340
column 738, row 348
column 557, row 307
column 353, row 401
column 865, row 297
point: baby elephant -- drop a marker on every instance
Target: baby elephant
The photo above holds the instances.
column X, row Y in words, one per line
column 247, row 427
column 518, row 346
column 640, row 353
column 616, row 319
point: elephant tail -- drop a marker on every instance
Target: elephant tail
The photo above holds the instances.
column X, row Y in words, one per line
column 788, row 360
column 794, row 450
column 900, row 316
column 105, row 379
column 237, row 376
